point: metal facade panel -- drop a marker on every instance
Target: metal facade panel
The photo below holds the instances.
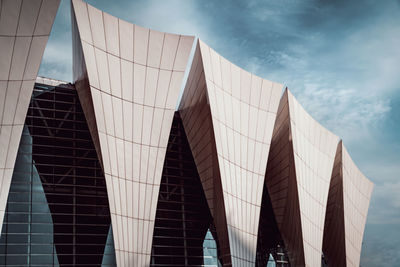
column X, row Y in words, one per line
column 121, row 89
column 298, row 177
column 349, row 196
column 357, row 190
column 230, row 136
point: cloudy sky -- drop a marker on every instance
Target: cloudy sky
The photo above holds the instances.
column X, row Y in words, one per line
column 341, row 59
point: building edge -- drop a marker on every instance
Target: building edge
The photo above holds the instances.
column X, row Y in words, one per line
column 24, row 30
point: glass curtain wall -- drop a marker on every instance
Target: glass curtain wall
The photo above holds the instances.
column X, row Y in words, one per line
column 57, row 211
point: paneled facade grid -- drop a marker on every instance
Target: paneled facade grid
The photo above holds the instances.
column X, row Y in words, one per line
column 228, row 115
column 199, row 130
column 347, row 210
column 25, row 26
column 314, row 153
column 334, row 247
column 282, row 187
column 132, row 76
column 303, row 152
column 357, row 190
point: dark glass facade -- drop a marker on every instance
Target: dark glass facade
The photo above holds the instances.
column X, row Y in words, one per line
column 27, row 235
column 57, row 212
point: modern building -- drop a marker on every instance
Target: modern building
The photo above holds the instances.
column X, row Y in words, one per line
column 122, row 168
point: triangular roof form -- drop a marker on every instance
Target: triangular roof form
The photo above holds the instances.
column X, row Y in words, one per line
column 128, row 80
column 349, row 196
column 228, row 115
column 298, row 176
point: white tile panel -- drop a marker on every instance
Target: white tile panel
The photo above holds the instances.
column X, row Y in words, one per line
column 139, row 78
column 184, row 48
column 151, row 86
column 108, row 113
column 118, row 117
column 166, row 127
column 91, row 64
column 164, row 79
column 126, row 40
column 127, row 80
column 127, row 116
column 112, row 154
column 158, row 117
column 35, row 57
column 9, row 17
column 82, row 18
column 235, row 77
column 255, row 92
column 156, row 40
column 140, row 45
column 97, row 27
column 172, row 98
column 47, row 13
column 115, row 74
column 159, row 168
column 170, row 46
column 134, row 96
column 266, row 93
column 25, row 94
column 6, row 53
column 103, row 73
column 104, row 149
column 245, row 86
column 20, row 55
column 111, row 33
column 11, row 101
column 97, row 101
column 5, row 136
column 147, row 124
column 137, row 123
column 22, row 41
column 226, row 75
column 28, row 16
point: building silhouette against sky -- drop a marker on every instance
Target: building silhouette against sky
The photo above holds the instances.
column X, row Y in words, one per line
column 121, row 168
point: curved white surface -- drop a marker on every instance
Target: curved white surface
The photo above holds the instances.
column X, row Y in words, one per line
column 228, row 115
column 128, row 79
column 298, row 177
